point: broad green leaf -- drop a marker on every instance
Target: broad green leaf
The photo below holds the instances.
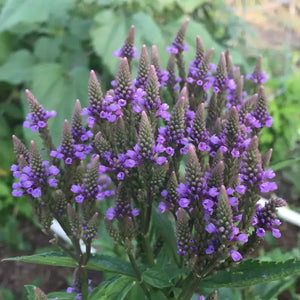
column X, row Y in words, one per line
column 159, row 295
column 47, row 49
column 189, row 5
column 96, row 262
column 284, row 163
column 17, row 12
column 253, row 272
column 272, row 289
column 5, row 46
column 166, row 229
column 135, row 293
column 108, row 33
column 156, row 278
column 17, row 68
column 146, row 31
column 57, row 90
column 116, row 290
column 161, row 276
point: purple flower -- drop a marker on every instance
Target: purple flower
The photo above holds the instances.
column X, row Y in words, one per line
column 260, row 232
column 162, row 207
column 235, row 255
column 241, row 189
column 110, row 213
column 211, row 228
column 268, row 187
column 210, row 249
column 184, row 202
column 31, row 180
column 276, row 233
column 38, row 116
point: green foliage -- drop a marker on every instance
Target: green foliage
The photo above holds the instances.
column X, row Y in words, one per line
column 115, row 289
column 285, row 110
column 252, row 272
column 97, row 262
column 59, row 295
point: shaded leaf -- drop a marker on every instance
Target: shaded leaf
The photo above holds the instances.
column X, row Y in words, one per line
column 17, row 68
column 16, row 12
column 108, row 33
column 116, row 289
column 96, row 262
column 165, row 228
column 284, row 163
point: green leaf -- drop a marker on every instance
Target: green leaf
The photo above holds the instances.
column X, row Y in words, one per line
column 57, row 90
column 6, row 294
column 284, row 163
column 161, row 276
column 15, row 12
column 29, row 291
column 147, row 31
column 159, row 295
column 108, row 33
column 60, row 296
column 5, row 46
column 117, row 289
column 47, row 49
column 272, row 289
column 253, row 272
column 165, row 228
column 18, row 67
column 96, row 262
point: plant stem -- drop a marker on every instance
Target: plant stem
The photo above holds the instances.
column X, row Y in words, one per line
column 84, row 282
column 189, row 286
column 148, row 212
column 138, row 275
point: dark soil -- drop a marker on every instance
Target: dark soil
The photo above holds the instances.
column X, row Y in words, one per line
column 14, row 275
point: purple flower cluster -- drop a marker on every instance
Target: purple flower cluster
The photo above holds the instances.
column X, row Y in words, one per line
column 31, row 182
column 38, row 116
column 76, row 288
column 198, row 160
column 265, row 218
column 94, row 185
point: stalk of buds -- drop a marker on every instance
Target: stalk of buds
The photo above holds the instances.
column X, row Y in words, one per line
column 130, row 152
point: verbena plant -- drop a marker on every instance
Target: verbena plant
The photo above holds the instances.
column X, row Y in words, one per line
column 182, row 183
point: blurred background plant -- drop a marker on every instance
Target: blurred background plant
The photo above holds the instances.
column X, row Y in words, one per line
column 50, row 47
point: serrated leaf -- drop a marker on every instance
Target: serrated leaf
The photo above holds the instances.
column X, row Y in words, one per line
column 17, row 68
column 96, row 262
column 115, row 290
column 16, row 12
column 253, row 272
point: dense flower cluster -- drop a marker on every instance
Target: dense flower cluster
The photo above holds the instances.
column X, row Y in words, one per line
column 198, row 160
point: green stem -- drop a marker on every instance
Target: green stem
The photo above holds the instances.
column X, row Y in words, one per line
column 138, row 275
column 148, row 212
column 84, row 282
column 189, row 286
